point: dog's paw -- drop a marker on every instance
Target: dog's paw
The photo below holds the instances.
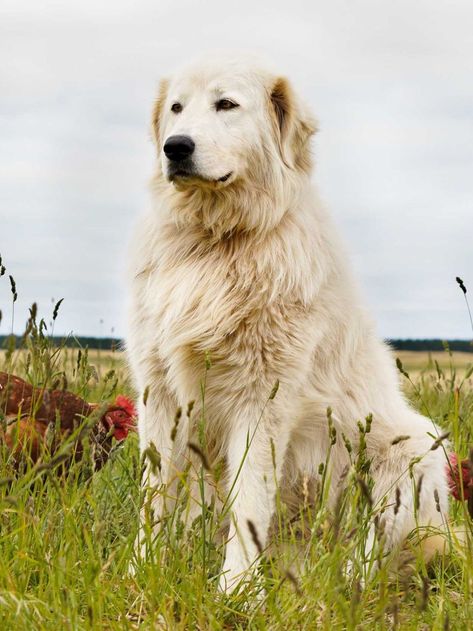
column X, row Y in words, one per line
column 242, row 581
column 132, row 568
column 245, row 590
column 231, row 581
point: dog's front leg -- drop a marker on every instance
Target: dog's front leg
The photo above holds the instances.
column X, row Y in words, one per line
column 255, row 454
column 162, row 449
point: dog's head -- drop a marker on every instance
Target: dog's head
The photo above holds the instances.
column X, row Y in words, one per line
column 230, row 125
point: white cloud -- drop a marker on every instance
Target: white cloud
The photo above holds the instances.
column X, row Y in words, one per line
column 389, row 82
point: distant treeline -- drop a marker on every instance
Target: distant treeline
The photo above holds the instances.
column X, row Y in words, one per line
column 102, row 343
column 111, row 343
column 465, row 346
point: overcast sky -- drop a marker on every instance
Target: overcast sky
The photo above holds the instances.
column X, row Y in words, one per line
column 390, row 82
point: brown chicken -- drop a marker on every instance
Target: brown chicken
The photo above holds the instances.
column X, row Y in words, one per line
column 33, row 420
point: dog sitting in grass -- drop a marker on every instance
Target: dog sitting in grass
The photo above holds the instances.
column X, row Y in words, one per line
column 238, row 261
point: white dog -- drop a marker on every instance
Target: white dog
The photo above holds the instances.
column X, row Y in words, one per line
column 239, row 260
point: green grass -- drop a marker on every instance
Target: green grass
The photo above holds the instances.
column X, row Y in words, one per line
column 66, row 541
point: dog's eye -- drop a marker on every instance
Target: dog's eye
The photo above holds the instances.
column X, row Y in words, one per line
column 225, row 104
column 176, row 108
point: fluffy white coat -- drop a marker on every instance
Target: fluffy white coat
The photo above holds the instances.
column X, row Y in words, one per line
column 238, row 259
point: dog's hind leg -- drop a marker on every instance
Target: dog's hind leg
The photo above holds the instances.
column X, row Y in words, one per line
column 410, row 480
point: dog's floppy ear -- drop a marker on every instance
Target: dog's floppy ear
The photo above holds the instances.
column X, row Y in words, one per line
column 157, row 110
column 294, row 125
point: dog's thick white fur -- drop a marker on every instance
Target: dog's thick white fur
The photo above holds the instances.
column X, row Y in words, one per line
column 239, row 259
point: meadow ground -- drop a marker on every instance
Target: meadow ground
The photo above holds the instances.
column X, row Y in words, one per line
column 66, row 540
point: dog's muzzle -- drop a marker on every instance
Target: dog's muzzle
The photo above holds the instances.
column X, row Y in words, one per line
column 178, row 150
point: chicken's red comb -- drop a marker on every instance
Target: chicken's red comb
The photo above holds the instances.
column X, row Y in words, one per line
column 459, row 477
column 126, row 404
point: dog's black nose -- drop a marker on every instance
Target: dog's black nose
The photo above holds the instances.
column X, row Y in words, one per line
column 179, row 148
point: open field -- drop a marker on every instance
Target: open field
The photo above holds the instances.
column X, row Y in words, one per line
column 414, row 361
column 66, row 540
column 423, row 361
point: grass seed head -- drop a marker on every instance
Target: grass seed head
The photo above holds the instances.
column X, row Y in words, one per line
column 145, row 395
column 56, row 308
column 13, row 288
column 175, row 427
column 400, row 439
column 397, row 504
column 190, row 407
column 274, row 390
column 198, row 451
column 365, row 491
column 418, row 492
column 152, row 455
column 401, row 368
column 439, row 441
column 254, row 536
column 461, row 284
column 347, row 443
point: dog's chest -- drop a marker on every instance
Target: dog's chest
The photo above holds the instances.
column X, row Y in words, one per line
column 191, row 300
column 229, row 306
